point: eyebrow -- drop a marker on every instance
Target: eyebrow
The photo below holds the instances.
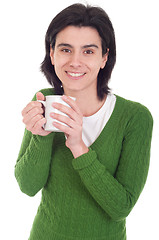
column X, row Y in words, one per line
column 70, row 46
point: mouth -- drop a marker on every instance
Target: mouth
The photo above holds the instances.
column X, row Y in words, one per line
column 75, row 75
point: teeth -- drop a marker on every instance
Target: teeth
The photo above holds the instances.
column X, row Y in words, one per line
column 75, row 74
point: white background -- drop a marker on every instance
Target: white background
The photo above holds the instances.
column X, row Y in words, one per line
column 23, row 25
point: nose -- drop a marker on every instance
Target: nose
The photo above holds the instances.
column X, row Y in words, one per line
column 75, row 60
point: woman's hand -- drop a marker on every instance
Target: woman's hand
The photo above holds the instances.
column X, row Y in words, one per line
column 33, row 116
column 74, row 122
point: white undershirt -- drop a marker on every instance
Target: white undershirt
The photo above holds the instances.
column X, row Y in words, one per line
column 93, row 125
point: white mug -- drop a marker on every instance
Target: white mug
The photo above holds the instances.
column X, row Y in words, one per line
column 49, row 109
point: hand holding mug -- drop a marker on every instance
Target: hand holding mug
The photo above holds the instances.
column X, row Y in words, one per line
column 33, row 117
column 72, row 120
column 49, row 109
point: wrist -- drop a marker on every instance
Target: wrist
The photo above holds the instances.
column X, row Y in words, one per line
column 79, row 150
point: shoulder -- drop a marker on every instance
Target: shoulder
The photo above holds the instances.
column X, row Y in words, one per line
column 134, row 111
column 47, row 91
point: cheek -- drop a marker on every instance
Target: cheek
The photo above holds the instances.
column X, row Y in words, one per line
column 60, row 61
column 57, row 70
column 95, row 63
column 95, row 68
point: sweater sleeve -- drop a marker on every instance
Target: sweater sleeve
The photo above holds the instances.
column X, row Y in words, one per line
column 118, row 194
column 33, row 163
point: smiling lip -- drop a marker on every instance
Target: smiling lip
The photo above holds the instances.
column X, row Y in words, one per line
column 74, row 74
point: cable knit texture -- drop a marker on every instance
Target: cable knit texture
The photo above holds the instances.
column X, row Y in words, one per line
column 87, row 198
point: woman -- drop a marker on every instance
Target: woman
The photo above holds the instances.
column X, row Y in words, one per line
column 92, row 173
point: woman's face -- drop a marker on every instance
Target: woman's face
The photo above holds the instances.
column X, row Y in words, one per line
column 77, row 58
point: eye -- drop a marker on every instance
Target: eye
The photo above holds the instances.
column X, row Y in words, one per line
column 66, row 50
column 88, row 51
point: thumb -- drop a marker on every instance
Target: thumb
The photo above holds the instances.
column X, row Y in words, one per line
column 40, row 96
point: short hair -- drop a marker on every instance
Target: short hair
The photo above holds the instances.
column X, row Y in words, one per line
column 82, row 16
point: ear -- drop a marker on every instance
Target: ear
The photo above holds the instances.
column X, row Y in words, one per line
column 105, row 59
column 52, row 55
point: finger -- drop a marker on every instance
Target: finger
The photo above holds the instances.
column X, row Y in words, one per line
column 63, row 119
column 66, row 129
column 32, row 113
column 38, row 126
column 72, row 103
column 69, row 112
column 40, row 96
column 69, row 131
column 38, row 130
column 70, row 127
column 30, row 106
column 31, row 124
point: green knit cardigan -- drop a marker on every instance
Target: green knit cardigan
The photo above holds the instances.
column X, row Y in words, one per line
column 87, row 198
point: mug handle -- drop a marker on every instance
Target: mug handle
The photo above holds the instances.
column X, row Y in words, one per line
column 43, row 102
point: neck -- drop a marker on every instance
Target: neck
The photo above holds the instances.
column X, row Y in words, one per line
column 89, row 104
